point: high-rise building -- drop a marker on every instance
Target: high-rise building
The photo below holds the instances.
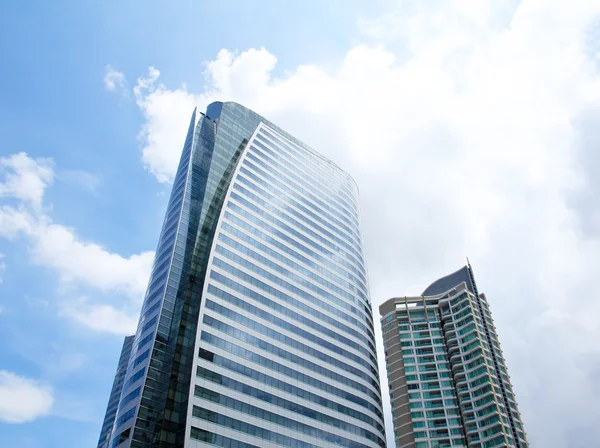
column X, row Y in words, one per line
column 256, row 328
column 115, row 394
column 448, row 382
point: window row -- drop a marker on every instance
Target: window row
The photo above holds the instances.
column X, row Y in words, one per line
column 272, row 417
column 316, row 367
column 247, row 292
column 216, row 292
column 299, row 151
column 334, row 179
column 354, row 286
column 269, row 232
column 293, row 343
column 300, row 232
column 327, row 202
column 303, row 223
column 287, row 388
column 294, row 407
column 217, row 440
column 298, row 172
column 269, row 364
column 289, row 299
column 314, row 219
column 290, row 275
column 247, row 428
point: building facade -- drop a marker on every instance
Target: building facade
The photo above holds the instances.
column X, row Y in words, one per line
column 115, row 394
column 448, row 382
column 257, row 328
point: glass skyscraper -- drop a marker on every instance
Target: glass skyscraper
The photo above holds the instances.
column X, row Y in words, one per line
column 256, row 328
column 448, row 382
column 115, row 394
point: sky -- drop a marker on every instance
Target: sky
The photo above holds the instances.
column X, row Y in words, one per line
column 472, row 128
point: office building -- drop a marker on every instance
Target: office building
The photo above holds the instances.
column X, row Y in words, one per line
column 256, row 329
column 447, row 378
column 115, row 394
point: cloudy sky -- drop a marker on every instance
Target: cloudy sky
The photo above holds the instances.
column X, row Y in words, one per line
column 472, row 128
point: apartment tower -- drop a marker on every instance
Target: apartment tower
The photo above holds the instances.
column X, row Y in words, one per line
column 256, row 329
column 447, row 378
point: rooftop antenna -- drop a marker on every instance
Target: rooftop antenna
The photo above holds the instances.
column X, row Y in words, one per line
column 472, row 277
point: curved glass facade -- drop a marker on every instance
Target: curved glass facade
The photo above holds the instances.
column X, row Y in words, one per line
column 257, row 327
column 115, row 394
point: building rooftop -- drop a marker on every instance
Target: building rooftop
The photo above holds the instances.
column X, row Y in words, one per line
column 450, row 281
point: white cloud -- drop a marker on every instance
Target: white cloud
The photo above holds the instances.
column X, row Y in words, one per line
column 114, row 80
column 25, row 178
column 90, row 264
column 23, row 399
column 78, row 263
column 13, row 221
column 458, row 128
column 167, row 114
column 101, row 317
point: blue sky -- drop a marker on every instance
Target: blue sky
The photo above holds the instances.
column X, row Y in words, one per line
column 470, row 127
column 54, row 106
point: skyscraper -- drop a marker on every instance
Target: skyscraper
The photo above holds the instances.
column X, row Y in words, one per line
column 448, row 382
column 115, row 394
column 256, row 329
